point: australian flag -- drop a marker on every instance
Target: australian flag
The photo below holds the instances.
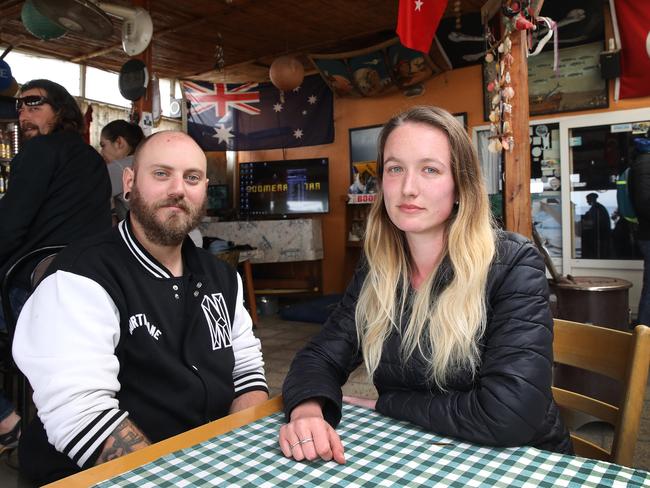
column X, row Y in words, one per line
column 251, row 116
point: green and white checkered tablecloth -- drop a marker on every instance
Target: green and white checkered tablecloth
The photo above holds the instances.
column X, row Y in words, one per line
column 379, row 451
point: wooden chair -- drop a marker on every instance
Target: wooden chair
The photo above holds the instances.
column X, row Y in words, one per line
column 622, row 356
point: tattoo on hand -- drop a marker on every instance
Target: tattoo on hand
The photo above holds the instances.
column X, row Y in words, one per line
column 124, row 439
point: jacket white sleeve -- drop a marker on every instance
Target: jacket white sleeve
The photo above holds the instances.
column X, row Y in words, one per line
column 65, row 343
column 248, row 373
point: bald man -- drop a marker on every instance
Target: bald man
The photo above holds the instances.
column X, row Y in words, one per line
column 136, row 335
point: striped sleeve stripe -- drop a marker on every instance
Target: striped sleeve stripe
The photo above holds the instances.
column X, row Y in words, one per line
column 246, row 381
column 93, row 435
column 255, row 385
column 245, row 377
column 149, row 265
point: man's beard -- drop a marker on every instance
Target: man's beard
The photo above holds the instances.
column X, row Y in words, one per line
column 28, row 135
column 175, row 228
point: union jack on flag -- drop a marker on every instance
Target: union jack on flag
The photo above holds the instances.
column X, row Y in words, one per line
column 220, row 97
column 251, row 116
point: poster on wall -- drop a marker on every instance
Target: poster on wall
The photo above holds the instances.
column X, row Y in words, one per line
column 578, row 86
column 377, row 69
column 363, row 160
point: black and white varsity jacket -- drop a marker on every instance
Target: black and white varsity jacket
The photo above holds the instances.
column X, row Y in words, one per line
column 110, row 333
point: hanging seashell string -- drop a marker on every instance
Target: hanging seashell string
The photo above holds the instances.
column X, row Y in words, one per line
column 519, row 15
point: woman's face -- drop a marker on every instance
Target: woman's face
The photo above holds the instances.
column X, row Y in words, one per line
column 112, row 151
column 418, row 184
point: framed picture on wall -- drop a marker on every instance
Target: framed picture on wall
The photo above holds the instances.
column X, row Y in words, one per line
column 578, row 87
column 363, row 159
column 462, row 118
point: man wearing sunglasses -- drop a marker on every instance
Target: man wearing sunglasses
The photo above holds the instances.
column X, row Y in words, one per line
column 59, row 191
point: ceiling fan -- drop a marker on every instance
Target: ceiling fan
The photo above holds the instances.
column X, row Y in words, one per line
column 90, row 18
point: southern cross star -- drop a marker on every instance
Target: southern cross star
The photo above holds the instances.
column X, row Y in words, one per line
column 222, row 133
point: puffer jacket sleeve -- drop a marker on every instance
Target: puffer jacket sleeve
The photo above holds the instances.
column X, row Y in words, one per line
column 324, row 364
column 641, row 186
column 511, row 393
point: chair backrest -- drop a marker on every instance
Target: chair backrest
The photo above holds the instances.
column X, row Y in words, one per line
column 623, row 356
column 43, row 256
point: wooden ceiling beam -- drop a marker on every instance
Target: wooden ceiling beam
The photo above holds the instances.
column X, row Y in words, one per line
column 303, row 51
column 162, row 32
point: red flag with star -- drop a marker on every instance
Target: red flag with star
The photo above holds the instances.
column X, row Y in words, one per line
column 634, row 26
column 417, row 22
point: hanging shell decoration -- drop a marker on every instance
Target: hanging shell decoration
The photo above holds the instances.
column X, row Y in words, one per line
column 520, row 15
column 502, row 96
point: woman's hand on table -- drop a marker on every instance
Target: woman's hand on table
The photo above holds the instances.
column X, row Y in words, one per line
column 360, row 402
column 309, row 436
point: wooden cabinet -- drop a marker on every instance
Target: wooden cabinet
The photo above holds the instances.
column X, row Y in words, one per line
column 296, row 277
column 357, row 215
column 358, row 208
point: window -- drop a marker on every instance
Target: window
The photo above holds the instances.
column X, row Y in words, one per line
column 25, row 67
column 545, row 185
column 103, row 86
column 598, row 155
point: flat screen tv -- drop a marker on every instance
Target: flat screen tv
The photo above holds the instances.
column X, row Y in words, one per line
column 281, row 188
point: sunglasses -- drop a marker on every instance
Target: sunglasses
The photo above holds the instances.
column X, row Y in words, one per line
column 31, row 101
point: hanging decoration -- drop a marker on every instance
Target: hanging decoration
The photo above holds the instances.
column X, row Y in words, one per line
column 458, row 15
column 286, row 73
column 219, row 59
column 519, row 16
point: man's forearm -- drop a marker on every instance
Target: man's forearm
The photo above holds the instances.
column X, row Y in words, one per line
column 124, row 439
column 248, row 400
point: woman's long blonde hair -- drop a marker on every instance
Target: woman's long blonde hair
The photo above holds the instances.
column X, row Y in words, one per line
column 445, row 328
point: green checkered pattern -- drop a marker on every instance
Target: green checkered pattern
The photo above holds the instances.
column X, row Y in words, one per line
column 379, row 451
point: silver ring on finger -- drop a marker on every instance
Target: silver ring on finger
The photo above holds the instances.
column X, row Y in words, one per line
column 291, row 446
column 305, row 441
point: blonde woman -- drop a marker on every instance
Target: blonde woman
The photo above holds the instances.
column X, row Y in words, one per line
column 449, row 315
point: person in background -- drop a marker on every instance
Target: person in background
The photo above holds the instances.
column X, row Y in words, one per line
column 59, row 192
column 450, row 316
column 118, row 141
column 596, row 230
column 640, row 180
column 136, row 335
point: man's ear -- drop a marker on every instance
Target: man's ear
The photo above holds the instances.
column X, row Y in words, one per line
column 128, row 177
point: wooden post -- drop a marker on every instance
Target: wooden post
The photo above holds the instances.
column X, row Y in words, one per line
column 516, row 191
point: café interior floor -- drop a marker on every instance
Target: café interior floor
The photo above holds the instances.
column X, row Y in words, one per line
column 282, row 339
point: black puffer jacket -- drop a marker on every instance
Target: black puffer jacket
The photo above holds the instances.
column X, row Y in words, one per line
column 507, row 403
column 640, row 181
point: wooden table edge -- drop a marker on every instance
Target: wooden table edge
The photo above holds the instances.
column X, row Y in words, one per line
column 192, row 437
